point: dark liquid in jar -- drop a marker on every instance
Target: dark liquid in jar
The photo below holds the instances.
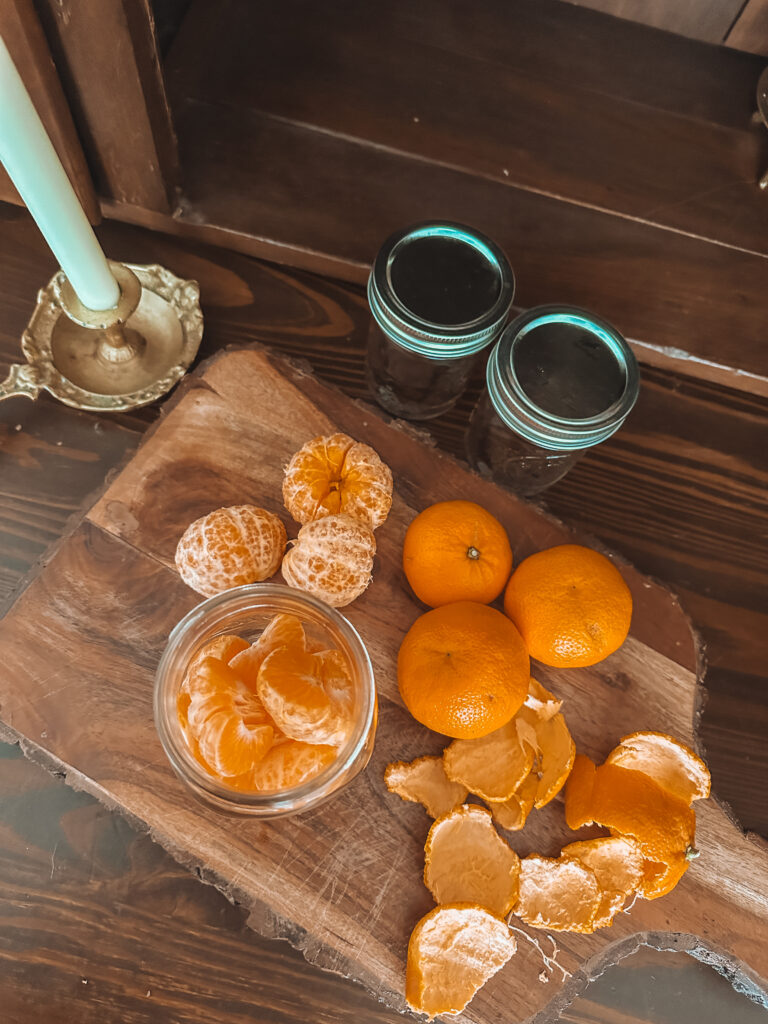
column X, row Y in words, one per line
column 443, row 280
column 568, row 372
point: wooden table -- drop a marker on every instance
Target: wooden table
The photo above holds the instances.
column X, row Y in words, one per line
column 98, row 924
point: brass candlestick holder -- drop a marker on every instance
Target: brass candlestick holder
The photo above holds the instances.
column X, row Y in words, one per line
column 114, row 360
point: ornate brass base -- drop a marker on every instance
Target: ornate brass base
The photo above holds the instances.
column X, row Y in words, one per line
column 112, row 360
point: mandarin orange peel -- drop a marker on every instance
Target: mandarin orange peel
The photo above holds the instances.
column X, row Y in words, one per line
column 424, row 781
column 453, row 951
column 467, row 861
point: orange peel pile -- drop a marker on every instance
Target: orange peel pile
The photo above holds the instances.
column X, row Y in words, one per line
column 557, row 894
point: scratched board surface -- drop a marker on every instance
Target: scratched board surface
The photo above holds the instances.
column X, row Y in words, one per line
column 343, row 882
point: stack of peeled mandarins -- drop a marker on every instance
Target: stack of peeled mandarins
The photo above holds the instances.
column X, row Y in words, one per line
column 337, row 489
column 464, row 672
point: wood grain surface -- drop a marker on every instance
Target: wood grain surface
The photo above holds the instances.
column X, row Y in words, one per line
column 683, row 497
column 343, row 882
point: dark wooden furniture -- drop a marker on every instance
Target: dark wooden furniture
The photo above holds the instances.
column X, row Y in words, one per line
column 94, row 917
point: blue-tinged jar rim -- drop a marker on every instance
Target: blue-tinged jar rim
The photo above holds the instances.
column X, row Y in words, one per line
column 428, row 337
column 538, row 425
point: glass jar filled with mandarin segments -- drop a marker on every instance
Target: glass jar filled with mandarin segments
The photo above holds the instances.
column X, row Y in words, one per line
column 245, row 612
column 439, row 294
column 559, row 381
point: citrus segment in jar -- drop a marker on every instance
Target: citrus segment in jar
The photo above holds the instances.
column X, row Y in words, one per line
column 467, row 861
column 281, row 631
column 332, row 558
column 223, row 647
column 559, row 895
column 309, row 696
column 334, row 474
column 424, row 781
column 463, row 670
column 288, row 764
column 230, row 547
column 670, row 763
column 226, row 719
column 571, row 605
column 453, row 951
column 493, row 766
column 456, row 551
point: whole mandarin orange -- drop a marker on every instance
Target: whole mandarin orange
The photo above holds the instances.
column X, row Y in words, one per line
column 456, row 551
column 463, row 670
column 570, row 604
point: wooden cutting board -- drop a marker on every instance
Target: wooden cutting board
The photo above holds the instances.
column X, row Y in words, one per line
column 344, row 882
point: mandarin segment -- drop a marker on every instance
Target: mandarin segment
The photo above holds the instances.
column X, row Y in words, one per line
column 467, row 861
column 560, row 895
column 462, row 670
column 424, row 781
column 230, row 547
column 291, row 764
column 223, row 647
column 667, row 761
column 492, row 767
column 332, row 558
column 281, row 631
column 456, row 551
column 453, row 951
column 226, row 720
column 309, row 696
column 336, row 474
column 571, row 605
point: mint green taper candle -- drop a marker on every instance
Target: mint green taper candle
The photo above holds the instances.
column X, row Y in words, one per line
column 41, row 181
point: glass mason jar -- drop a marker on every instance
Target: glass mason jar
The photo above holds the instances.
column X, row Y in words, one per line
column 439, row 294
column 559, row 381
column 245, row 611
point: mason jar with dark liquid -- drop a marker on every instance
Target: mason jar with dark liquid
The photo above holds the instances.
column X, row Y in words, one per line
column 559, row 381
column 439, row 294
